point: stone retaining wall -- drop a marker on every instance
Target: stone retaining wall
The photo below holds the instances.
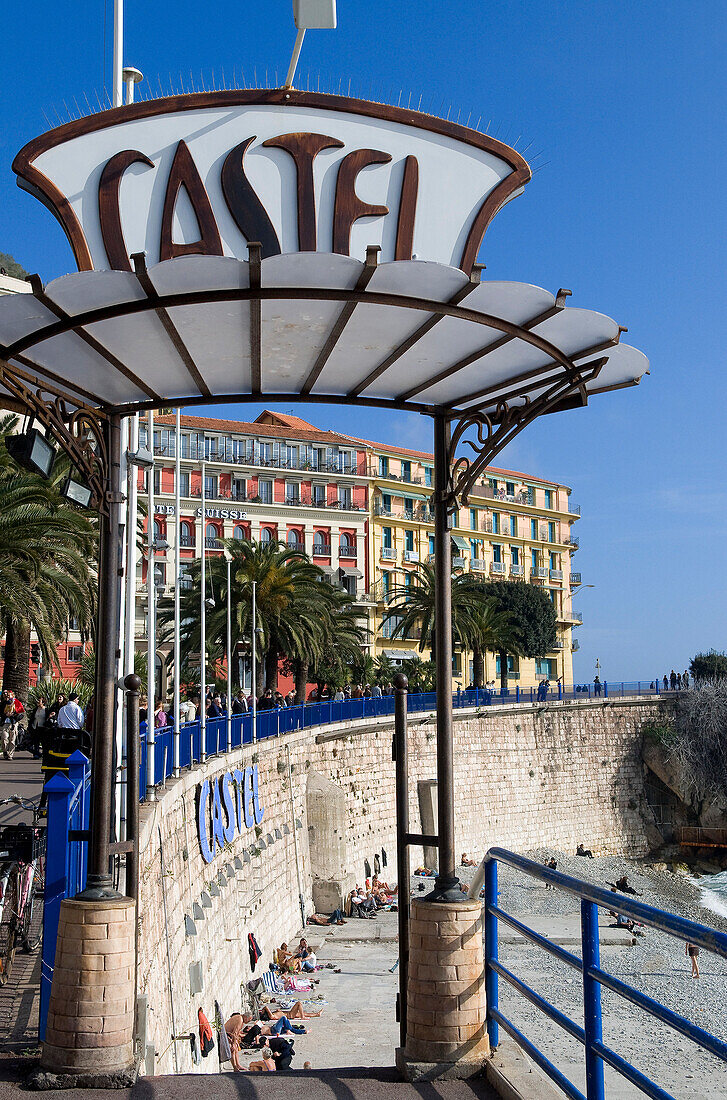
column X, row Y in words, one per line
column 525, row 776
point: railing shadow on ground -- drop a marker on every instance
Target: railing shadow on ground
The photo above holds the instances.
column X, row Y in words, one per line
column 593, row 976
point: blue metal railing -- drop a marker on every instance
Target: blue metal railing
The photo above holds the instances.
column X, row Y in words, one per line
column 65, row 861
column 593, row 976
column 274, row 723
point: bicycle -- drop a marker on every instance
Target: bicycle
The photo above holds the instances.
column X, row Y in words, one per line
column 22, row 868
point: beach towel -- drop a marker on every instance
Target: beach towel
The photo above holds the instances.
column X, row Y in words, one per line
column 271, row 982
column 206, row 1042
column 223, row 1039
column 254, row 949
column 300, row 985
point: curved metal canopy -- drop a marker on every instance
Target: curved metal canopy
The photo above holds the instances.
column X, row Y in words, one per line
column 308, row 326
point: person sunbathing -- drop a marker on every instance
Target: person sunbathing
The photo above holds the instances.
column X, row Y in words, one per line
column 253, row 1031
column 286, row 960
column 377, row 884
column 266, row 1063
column 466, row 862
column 297, row 1012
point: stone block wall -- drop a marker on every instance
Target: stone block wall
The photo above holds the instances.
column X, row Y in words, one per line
column 525, row 776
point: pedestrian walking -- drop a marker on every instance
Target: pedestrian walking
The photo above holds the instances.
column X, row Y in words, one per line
column 70, row 716
column 673, row 680
column 692, row 953
column 685, row 680
column 596, row 686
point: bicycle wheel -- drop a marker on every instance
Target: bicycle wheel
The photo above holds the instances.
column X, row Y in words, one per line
column 8, row 923
column 30, row 941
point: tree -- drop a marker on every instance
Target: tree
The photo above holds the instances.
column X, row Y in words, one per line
column 413, row 607
column 45, row 580
column 708, row 666
column 87, row 675
column 12, row 267
column 532, row 621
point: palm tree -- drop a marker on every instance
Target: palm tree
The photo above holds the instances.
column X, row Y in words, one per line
column 413, row 606
column 45, row 579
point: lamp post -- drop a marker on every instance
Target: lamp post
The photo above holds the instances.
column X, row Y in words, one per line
column 228, row 559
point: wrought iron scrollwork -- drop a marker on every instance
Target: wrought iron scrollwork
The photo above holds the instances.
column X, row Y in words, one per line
column 498, row 427
column 80, row 431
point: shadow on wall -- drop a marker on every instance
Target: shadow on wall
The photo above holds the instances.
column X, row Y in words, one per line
column 327, row 824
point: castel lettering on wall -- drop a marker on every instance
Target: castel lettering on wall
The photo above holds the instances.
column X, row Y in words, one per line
column 226, row 805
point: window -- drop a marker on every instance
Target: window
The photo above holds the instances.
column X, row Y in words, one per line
column 295, row 541
column 239, row 486
column 513, row 526
column 408, row 508
column 184, row 484
column 553, row 561
column 386, row 583
column 496, row 523
column 75, row 652
column 493, row 484
column 383, row 466
column 211, row 536
column 428, row 476
column 186, row 533
column 515, row 555
column 266, row 535
column 349, row 585
column 265, row 491
column 319, row 495
column 292, row 492
column 551, row 532
column 431, row 544
column 408, row 540
column 533, row 528
column 386, row 537
column 210, row 486
column 164, row 441
column 185, row 580
column 511, row 668
column 405, row 470
column 157, row 531
column 510, row 488
column 548, row 498
column 157, row 480
column 321, row 547
column 239, row 533
column 386, row 502
column 473, row 519
column 474, row 549
column 348, row 545
column 73, row 623
column 545, row 667
column 407, row 582
column 496, row 552
column 533, row 559
column 344, row 496
column 291, row 456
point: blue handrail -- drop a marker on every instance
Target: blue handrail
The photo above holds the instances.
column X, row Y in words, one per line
column 275, row 722
column 594, row 977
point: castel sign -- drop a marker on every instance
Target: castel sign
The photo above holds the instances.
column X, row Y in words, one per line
column 298, row 172
column 226, row 805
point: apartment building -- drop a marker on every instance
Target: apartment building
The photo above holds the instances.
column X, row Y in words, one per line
column 515, row 527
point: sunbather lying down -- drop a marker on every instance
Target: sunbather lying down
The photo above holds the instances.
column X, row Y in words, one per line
column 297, row 1012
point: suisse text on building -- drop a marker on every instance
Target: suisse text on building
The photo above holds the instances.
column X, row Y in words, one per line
column 226, row 805
column 208, row 173
column 210, row 513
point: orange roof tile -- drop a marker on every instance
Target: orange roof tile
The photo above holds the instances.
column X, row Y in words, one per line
column 204, row 423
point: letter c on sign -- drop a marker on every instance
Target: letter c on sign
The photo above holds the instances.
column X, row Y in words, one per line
column 203, row 797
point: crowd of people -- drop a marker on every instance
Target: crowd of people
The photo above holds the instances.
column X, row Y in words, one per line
column 27, row 729
column 676, row 681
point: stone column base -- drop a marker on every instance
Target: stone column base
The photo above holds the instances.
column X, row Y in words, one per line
column 91, row 1011
column 446, row 1032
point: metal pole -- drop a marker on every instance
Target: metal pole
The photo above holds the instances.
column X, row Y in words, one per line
column 294, row 59
column 132, row 497
column 254, row 663
column 590, row 954
column 229, row 654
column 401, row 756
column 151, row 641
column 177, row 593
column 203, row 625
column 118, row 88
column 491, row 946
column 132, row 683
column 446, row 887
column 99, row 884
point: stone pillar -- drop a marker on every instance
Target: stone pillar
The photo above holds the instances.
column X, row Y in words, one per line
column 446, row 1033
column 91, row 1011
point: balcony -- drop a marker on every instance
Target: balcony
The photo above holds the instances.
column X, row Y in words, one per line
column 498, row 567
column 213, row 544
column 186, row 542
column 556, row 574
column 347, row 550
column 577, row 617
column 477, row 565
column 517, row 570
column 524, row 496
column 388, row 553
column 560, row 644
column 457, row 563
column 539, row 574
column 321, row 550
column 379, row 510
column 573, row 541
column 575, row 578
column 575, row 645
column 411, row 556
column 574, row 509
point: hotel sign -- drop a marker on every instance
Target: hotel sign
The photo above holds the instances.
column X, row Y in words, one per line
column 210, row 513
column 227, row 805
column 299, row 172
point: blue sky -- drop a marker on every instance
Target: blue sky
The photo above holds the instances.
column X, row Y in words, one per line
column 622, row 108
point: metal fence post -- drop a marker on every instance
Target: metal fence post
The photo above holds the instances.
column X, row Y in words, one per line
column 491, row 950
column 401, row 757
column 591, row 1000
column 132, row 685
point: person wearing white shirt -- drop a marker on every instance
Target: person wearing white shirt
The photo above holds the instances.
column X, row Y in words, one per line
column 70, row 716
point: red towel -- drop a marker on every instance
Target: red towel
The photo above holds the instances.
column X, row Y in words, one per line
column 206, row 1042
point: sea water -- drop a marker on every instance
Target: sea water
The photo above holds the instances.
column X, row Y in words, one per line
column 714, row 896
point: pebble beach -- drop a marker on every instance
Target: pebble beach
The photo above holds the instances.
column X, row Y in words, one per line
column 655, row 964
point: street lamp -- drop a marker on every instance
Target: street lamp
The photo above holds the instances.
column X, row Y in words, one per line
column 309, row 15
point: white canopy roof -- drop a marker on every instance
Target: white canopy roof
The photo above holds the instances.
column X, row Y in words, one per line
column 307, row 326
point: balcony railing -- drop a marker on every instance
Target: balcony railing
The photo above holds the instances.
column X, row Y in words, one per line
column 321, row 550
column 458, row 562
column 213, row 544
column 556, row 574
column 517, row 570
column 421, row 512
column 539, row 573
column 574, row 509
column 498, row 567
column 186, row 542
column 575, row 578
column 577, row 616
column 347, row 550
column 388, row 553
column 524, row 496
column 573, row 541
column 194, row 454
column 477, row 565
column 411, row 555
column 575, row 645
column 560, row 644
